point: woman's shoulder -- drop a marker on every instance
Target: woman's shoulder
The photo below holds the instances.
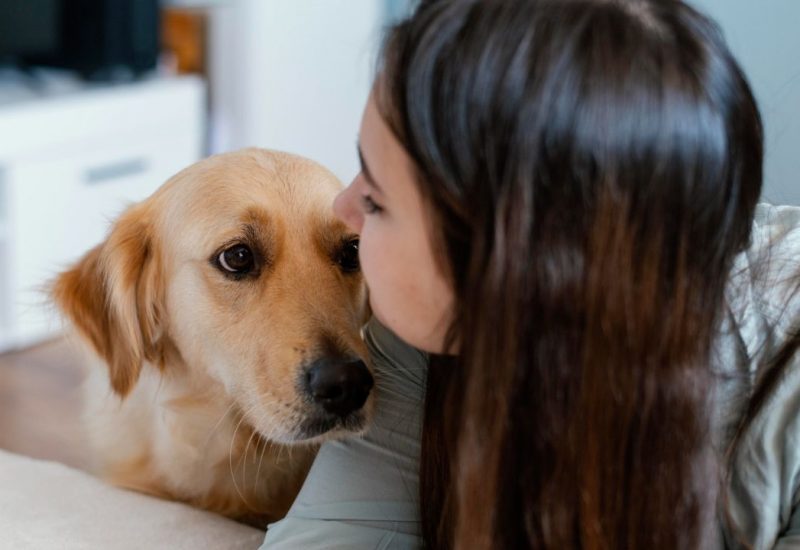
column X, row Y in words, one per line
column 765, row 469
column 779, row 219
column 764, row 309
column 774, row 254
column 763, row 293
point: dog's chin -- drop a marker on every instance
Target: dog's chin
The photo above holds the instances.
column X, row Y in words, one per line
column 320, row 428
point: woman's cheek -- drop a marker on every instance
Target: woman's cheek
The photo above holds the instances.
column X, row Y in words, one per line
column 366, row 258
column 376, row 265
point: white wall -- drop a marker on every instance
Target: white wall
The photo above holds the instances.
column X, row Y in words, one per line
column 293, row 75
column 765, row 37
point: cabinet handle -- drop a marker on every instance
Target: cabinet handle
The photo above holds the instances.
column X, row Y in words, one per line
column 113, row 171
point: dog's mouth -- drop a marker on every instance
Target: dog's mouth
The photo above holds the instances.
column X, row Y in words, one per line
column 314, row 425
column 330, row 426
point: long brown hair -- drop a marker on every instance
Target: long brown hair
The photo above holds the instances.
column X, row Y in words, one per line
column 592, row 168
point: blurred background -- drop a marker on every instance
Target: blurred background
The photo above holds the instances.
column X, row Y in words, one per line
column 102, row 100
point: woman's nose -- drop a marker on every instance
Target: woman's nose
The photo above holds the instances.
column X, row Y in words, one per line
column 346, row 208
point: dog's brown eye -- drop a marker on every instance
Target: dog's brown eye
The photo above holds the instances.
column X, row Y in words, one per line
column 236, row 259
column 348, row 257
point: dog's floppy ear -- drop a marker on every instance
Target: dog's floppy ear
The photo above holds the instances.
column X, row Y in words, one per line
column 114, row 297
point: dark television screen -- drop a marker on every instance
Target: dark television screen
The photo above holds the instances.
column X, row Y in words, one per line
column 96, row 38
column 29, row 28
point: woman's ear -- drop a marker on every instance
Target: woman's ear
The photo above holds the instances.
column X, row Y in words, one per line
column 114, row 296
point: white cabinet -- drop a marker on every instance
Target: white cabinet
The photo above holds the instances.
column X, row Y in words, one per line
column 74, row 164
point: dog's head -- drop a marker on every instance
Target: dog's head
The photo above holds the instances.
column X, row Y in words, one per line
column 236, row 267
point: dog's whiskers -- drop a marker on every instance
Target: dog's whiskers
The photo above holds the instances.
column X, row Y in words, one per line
column 253, row 433
column 219, row 423
column 230, row 462
column 264, row 446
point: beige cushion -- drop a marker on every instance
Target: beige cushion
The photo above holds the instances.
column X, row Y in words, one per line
column 48, row 505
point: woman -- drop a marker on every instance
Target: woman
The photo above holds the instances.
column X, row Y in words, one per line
column 558, row 203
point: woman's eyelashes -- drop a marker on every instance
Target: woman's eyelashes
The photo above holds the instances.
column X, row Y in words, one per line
column 370, row 206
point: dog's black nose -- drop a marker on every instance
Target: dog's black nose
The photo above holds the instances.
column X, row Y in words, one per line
column 339, row 386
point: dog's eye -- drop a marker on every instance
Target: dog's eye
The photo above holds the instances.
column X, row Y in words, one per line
column 348, row 257
column 236, row 259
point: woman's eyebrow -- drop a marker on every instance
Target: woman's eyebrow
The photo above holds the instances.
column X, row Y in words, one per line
column 365, row 169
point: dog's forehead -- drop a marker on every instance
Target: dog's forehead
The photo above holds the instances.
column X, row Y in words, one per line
column 253, row 187
column 257, row 174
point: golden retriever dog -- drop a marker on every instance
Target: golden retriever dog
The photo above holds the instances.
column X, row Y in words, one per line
column 227, row 310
